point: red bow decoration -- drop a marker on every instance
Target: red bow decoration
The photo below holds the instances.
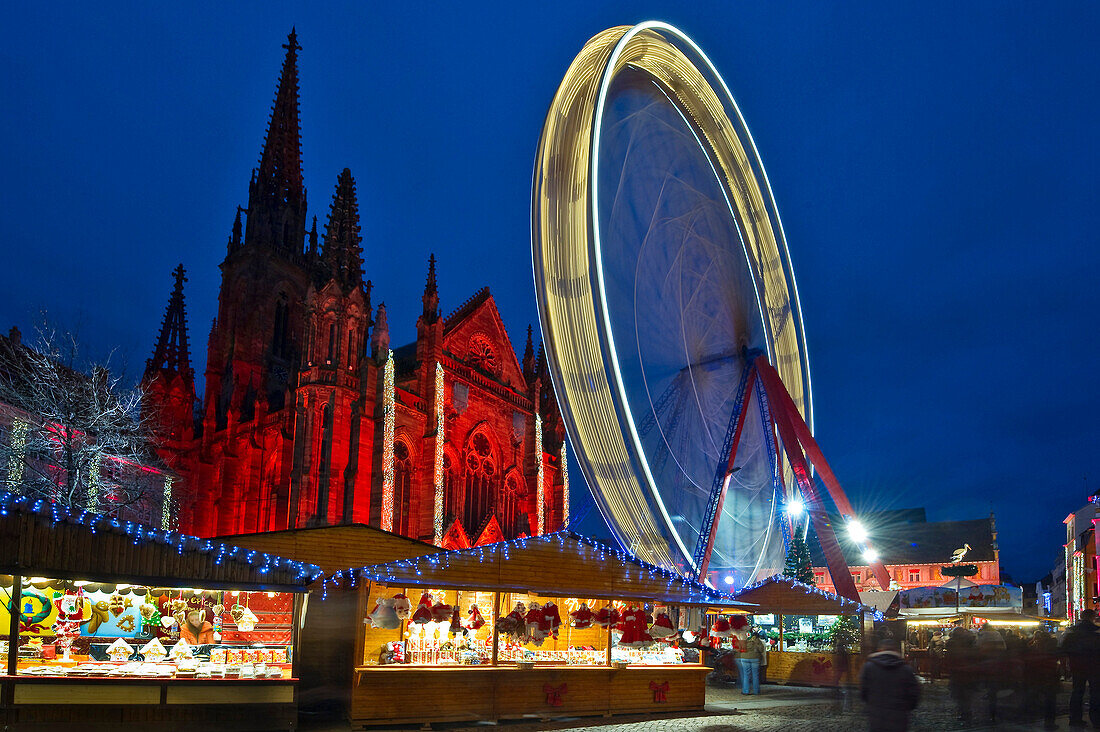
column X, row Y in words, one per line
column 554, row 694
column 26, row 627
column 822, row 664
column 660, row 691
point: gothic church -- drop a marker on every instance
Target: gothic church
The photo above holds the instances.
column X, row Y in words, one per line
column 310, row 417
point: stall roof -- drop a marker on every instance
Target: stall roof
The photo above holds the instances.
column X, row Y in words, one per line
column 559, row 564
column 335, row 547
column 780, row 593
column 41, row 538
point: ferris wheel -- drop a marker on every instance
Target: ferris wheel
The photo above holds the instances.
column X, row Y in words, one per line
column 669, row 309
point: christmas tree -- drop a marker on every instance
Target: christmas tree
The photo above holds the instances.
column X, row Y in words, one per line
column 798, row 558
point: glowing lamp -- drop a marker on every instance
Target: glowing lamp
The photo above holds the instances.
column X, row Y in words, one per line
column 856, row 531
column 728, row 579
column 795, row 507
column 870, row 555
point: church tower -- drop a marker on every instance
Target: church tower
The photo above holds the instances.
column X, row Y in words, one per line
column 254, row 346
column 332, row 395
column 168, row 384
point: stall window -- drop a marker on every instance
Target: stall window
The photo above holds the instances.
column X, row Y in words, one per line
column 69, row 628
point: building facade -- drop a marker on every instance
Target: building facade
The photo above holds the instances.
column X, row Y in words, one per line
column 1078, row 588
column 914, row 550
column 310, row 417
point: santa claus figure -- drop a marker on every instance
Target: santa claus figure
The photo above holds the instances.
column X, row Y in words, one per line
column 721, row 628
column 475, row 621
column 582, row 617
column 402, row 606
column 535, row 624
column 423, row 612
column 70, row 614
column 551, row 619
column 383, row 615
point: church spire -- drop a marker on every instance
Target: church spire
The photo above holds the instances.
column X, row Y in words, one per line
column 380, row 337
column 342, row 255
column 277, row 197
column 529, row 358
column 235, row 237
column 172, row 352
column 431, row 294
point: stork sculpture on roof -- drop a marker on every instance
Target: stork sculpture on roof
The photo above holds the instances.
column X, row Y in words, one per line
column 958, row 555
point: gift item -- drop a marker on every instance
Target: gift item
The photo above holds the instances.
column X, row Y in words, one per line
column 402, row 606
column 441, row 612
column 607, row 616
column 244, row 618
column 154, row 650
column 120, row 651
column 70, row 614
column 582, row 617
column 632, row 623
column 116, row 604
column 662, row 627
column 476, row 621
column 535, row 623
column 456, row 622
column 182, row 649
column 423, row 612
column 383, row 615
column 514, row 624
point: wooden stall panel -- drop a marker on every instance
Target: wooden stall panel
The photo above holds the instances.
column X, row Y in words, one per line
column 412, row 695
column 632, row 689
column 522, row 693
column 230, row 694
column 86, row 694
column 810, row 669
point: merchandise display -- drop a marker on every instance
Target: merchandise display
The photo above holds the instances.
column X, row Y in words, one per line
column 88, row 629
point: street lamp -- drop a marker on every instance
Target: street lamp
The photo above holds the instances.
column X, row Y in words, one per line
column 856, row 531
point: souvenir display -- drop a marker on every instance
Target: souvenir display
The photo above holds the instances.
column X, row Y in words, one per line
column 582, row 617
column 475, row 622
column 383, row 615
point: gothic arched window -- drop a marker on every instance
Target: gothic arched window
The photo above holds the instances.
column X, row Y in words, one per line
column 402, row 487
column 512, row 498
column 481, row 481
column 279, row 336
column 331, row 342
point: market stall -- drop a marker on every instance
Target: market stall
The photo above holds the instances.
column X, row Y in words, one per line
column 108, row 621
column 555, row 625
column 815, row 637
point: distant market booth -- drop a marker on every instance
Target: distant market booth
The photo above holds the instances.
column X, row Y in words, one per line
column 548, row 626
column 817, row 637
column 112, row 620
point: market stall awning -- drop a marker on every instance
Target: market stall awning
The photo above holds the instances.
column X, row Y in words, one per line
column 780, row 593
column 558, row 564
column 880, row 600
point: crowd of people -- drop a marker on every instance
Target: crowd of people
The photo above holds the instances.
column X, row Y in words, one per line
column 999, row 671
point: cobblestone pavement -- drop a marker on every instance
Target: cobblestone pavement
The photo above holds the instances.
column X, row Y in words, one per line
column 790, row 709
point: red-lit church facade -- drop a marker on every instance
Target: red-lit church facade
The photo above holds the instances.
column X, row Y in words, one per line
column 311, row 418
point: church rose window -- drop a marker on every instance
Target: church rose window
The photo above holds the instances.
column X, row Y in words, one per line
column 402, row 483
column 480, row 482
column 482, row 356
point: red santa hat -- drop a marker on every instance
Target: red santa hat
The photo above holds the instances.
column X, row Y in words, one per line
column 475, row 621
column 456, row 622
column 402, row 606
column 582, row 617
column 739, row 622
column 441, row 612
column 423, row 612
column 721, row 628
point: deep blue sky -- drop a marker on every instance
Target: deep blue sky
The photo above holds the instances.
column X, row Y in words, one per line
column 935, row 167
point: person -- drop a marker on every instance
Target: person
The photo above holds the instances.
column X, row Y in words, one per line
column 748, row 663
column 959, row 658
column 842, row 677
column 935, row 653
column 195, row 628
column 992, row 665
column 889, row 688
column 1041, row 672
column 1081, row 646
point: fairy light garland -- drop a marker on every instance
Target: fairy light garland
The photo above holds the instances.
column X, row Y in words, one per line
column 1069, row 603
column 93, row 480
column 1078, row 584
column 166, row 506
column 263, row 562
column 18, row 452
column 810, row 589
column 540, row 489
column 388, row 409
column 564, row 486
column 437, row 514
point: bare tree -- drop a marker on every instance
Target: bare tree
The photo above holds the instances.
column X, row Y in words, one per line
column 77, row 433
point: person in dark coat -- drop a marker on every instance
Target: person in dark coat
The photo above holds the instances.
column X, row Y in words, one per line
column 1081, row 646
column 960, row 659
column 1041, row 671
column 993, row 666
column 889, row 688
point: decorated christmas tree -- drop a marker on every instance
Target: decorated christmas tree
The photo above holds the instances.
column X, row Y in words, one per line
column 798, row 558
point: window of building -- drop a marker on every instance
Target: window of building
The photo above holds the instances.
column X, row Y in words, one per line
column 331, row 342
column 819, row 578
column 914, row 575
column 857, row 577
column 481, row 479
column 402, row 487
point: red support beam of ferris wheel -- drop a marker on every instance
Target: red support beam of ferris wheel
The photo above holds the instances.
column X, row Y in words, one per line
column 729, row 472
column 800, row 438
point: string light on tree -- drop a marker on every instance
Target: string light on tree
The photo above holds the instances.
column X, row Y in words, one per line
column 564, row 485
column 388, row 415
column 438, row 474
column 166, row 506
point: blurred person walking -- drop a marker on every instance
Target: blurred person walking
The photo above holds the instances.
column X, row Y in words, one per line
column 959, row 658
column 1042, row 677
column 889, row 688
column 993, row 665
column 1081, row 646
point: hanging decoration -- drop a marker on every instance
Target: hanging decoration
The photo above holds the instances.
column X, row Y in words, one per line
column 17, row 443
column 166, row 511
column 564, row 484
column 554, row 694
column 475, row 621
column 439, row 439
column 540, row 489
column 660, row 691
column 582, row 617
column 388, row 415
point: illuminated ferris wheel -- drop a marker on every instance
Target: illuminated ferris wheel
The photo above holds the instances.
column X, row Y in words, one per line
column 668, row 307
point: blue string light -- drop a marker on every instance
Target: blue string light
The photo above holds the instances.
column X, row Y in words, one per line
column 265, row 563
column 810, row 589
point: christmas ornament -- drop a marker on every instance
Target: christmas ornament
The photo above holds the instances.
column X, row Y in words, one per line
column 582, row 617
column 116, row 604
column 244, row 618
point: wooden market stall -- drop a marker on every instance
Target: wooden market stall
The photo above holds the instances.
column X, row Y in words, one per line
column 799, row 621
column 119, row 624
column 432, row 671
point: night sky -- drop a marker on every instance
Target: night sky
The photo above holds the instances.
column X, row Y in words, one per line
column 935, row 168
